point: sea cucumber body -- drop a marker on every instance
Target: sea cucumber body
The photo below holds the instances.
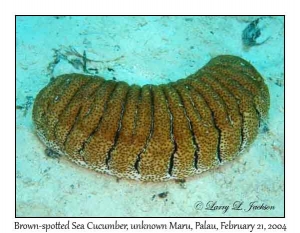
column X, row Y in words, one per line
column 154, row 132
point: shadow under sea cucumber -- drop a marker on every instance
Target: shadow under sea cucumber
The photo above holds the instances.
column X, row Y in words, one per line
column 154, row 132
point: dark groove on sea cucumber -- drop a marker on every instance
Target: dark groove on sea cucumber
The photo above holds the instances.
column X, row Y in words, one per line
column 172, row 157
column 137, row 162
column 101, row 93
column 191, row 130
column 226, row 103
column 198, row 115
column 213, row 76
column 99, row 123
column 91, row 95
column 219, row 141
column 66, row 106
column 75, row 122
column 193, row 104
column 92, row 105
column 139, row 155
column 217, row 104
column 108, row 157
column 219, row 97
column 215, row 125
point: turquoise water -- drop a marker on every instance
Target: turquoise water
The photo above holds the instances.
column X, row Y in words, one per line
column 144, row 50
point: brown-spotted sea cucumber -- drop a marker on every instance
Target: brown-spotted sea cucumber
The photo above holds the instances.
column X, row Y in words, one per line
column 154, row 132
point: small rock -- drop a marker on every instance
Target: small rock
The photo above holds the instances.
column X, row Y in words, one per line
column 51, row 153
column 163, row 194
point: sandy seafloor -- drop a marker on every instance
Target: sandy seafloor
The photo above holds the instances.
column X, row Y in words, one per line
column 147, row 50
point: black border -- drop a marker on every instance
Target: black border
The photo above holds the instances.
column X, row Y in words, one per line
column 141, row 217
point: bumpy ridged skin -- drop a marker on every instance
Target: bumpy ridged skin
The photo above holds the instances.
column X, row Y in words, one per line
column 154, row 133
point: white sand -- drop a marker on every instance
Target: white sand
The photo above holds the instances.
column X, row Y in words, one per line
column 155, row 50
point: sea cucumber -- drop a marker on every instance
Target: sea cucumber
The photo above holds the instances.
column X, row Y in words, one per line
column 154, row 132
